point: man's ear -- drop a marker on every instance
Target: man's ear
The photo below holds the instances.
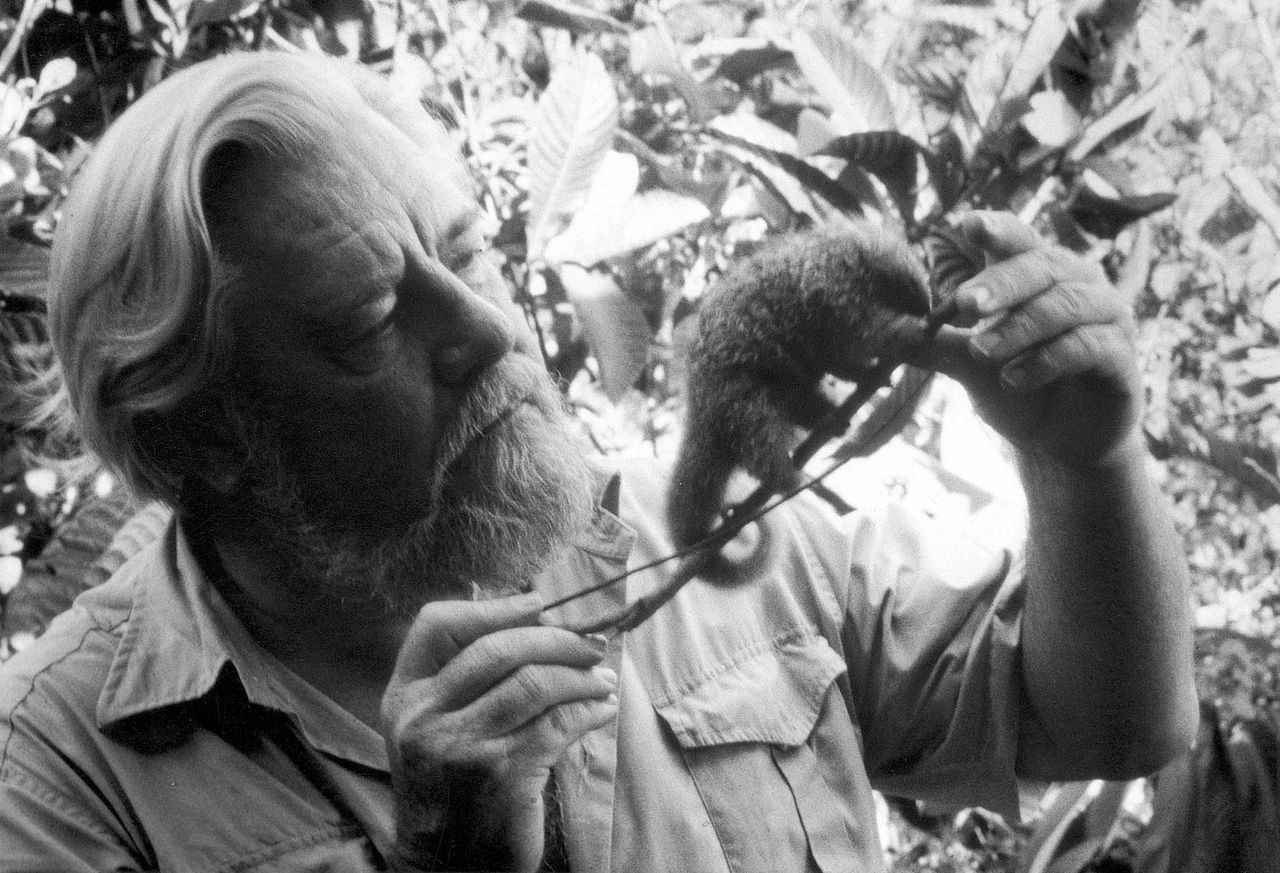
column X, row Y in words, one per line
column 216, row 447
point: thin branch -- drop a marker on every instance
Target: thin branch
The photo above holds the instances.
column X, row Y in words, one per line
column 698, row 557
column 1269, row 49
column 31, row 10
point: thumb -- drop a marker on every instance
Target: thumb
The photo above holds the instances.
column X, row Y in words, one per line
column 443, row 628
column 999, row 235
column 948, row 353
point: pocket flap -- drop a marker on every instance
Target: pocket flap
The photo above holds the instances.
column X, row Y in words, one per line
column 768, row 693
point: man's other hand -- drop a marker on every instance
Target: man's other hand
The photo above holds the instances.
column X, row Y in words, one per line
column 482, row 702
column 1051, row 360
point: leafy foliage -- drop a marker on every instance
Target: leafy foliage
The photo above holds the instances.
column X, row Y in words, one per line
column 631, row 148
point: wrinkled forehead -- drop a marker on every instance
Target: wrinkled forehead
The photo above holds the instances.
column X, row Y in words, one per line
column 377, row 177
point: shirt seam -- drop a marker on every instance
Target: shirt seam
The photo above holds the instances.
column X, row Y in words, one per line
column 683, row 689
column 302, row 841
column 24, row 780
column 39, row 674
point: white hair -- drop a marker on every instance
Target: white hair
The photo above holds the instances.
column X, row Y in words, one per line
column 137, row 293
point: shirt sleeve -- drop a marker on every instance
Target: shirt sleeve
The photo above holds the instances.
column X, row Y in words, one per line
column 43, row 832
column 931, row 631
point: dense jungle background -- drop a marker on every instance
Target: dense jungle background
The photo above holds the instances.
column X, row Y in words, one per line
column 629, row 149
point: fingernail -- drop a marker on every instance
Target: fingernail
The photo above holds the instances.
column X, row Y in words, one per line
column 1014, row 376
column 599, row 642
column 980, row 295
column 606, row 675
column 983, row 344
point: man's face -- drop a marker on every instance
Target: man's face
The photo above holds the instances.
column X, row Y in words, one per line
column 396, row 409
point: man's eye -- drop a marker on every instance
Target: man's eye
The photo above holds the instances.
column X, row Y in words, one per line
column 463, row 261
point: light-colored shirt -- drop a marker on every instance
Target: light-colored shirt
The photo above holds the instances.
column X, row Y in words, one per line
column 147, row 730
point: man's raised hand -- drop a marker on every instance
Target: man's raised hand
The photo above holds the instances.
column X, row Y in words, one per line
column 482, row 702
column 1051, row 361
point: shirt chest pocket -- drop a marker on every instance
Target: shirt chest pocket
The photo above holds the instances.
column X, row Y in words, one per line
column 745, row 732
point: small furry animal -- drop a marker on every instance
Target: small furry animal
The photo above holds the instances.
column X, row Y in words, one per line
column 813, row 303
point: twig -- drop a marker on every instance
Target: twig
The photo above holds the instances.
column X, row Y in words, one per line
column 1269, row 48
column 699, row 556
column 31, row 10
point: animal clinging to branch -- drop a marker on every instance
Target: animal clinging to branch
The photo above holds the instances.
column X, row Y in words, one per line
column 827, row 301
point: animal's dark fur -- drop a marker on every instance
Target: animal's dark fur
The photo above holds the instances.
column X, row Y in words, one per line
column 810, row 304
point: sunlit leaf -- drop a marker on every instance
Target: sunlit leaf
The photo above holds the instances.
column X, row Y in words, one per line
column 756, row 131
column 1271, row 308
column 54, row 76
column 571, row 133
column 845, row 79
column 888, row 416
column 812, row 178
column 616, row 329
column 985, row 77
column 569, row 16
column 813, row 132
column 1069, row 803
column 641, row 220
column 1038, row 46
column 1052, row 120
column 777, row 186
column 654, row 53
column 14, row 106
column 1137, row 263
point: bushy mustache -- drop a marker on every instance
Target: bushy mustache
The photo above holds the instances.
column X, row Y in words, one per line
column 505, row 495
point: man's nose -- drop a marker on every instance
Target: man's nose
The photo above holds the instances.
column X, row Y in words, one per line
column 479, row 334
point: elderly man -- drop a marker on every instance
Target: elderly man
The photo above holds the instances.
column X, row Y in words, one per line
column 273, row 309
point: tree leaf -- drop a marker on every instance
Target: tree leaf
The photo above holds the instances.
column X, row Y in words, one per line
column 888, row 417
column 1039, row 45
column 24, row 269
column 856, row 181
column 807, row 174
column 778, row 187
column 947, row 169
column 951, row 260
column 985, row 78
column 568, row 16
column 654, row 53
column 572, row 131
column 936, row 80
column 1106, row 216
column 1068, row 805
column 754, row 131
column 54, row 76
column 845, row 79
column 890, row 156
column 201, row 12
column 978, row 20
column 1076, row 859
column 640, row 221
column 1271, row 307
column 616, row 329
column 1052, row 120
column 743, row 64
column 813, row 132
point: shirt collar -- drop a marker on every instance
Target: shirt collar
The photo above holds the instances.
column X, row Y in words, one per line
column 183, row 645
